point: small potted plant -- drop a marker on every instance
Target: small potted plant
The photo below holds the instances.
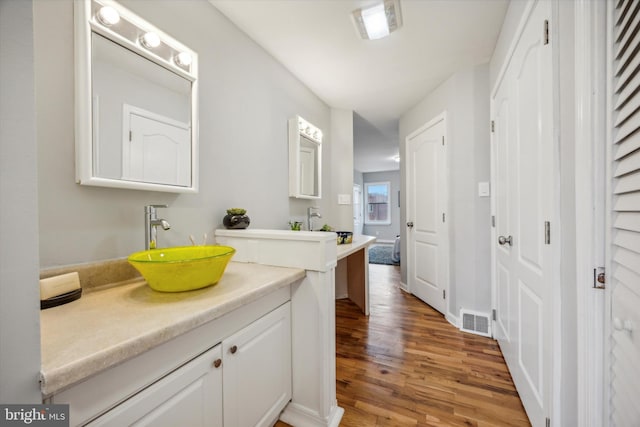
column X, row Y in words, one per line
column 295, row 225
column 236, row 218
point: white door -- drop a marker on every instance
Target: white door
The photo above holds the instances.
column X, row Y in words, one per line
column 155, row 148
column 357, row 209
column 523, row 168
column 427, row 260
column 623, row 276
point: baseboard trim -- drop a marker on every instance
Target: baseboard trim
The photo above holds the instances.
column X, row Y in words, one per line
column 300, row 416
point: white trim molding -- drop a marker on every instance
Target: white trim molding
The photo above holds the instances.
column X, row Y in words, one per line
column 590, row 164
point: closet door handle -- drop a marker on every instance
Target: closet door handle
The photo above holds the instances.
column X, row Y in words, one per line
column 233, row 349
column 410, row 224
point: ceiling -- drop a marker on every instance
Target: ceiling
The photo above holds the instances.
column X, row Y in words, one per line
column 378, row 79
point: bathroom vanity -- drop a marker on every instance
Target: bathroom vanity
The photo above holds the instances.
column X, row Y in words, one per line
column 257, row 346
column 352, row 271
column 212, row 357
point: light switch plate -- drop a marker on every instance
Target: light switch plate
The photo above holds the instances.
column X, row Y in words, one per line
column 344, row 199
column 484, row 189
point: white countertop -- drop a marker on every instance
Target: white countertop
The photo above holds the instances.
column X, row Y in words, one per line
column 108, row 326
column 359, row 241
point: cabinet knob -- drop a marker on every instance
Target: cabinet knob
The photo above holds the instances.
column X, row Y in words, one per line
column 233, row 349
column 217, row 363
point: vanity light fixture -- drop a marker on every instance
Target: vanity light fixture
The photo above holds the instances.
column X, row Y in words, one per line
column 108, row 16
column 378, row 21
column 183, row 59
column 309, row 130
column 150, row 40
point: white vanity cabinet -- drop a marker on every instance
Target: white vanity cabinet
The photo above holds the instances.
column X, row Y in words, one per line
column 234, row 371
column 243, row 382
column 189, row 396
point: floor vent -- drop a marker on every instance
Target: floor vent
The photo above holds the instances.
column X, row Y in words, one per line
column 476, row 323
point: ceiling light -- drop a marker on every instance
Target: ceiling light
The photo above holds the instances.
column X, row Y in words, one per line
column 150, row 40
column 108, row 16
column 378, row 21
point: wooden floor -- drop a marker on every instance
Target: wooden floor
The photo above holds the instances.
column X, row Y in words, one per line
column 407, row 366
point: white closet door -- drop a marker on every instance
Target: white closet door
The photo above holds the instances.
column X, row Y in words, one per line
column 624, row 276
column 525, row 208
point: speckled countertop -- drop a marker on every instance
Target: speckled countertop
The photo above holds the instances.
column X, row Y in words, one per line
column 110, row 325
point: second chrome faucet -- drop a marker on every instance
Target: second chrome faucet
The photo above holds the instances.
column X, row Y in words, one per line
column 312, row 212
column 151, row 223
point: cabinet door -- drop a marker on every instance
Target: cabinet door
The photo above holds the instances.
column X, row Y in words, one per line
column 189, row 396
column 257, row 370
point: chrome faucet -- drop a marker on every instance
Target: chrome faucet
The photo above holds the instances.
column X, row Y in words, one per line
column 312, row 212
column 151, row 223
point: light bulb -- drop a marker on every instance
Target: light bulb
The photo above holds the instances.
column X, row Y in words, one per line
column 108, row 16
column 184, row 59
column 150, row 40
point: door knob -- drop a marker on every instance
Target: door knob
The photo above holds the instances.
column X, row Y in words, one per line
column 505, row 240
column 410, row 224
column 233, row 349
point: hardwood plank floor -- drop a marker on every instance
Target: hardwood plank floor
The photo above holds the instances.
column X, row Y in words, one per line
column 407, row 366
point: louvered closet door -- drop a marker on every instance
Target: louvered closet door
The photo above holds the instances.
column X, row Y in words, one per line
column 625, row 220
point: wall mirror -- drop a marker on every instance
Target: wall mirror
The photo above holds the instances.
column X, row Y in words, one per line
column 136, row 102
column 305, row 159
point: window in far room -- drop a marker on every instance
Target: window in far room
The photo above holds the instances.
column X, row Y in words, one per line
column 377, row 196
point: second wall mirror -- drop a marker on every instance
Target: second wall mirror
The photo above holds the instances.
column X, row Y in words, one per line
column 305, row 159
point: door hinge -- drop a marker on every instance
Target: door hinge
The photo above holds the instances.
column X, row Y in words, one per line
column 547, row 233
column 545, row 37
column 493, row 221
column 599, row 278
column 442, row 139
column 547, row 422
column 444, row 294
column 443, row 217
column 493, row 314
column 493, row 126
column 130, row 136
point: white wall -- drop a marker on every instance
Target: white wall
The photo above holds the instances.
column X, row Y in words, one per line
column 246, row 98
column 465, row 98
column 340, row 170
column 384, row 232
column 19, row 289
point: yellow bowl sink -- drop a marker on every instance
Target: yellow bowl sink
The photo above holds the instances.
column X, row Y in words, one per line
column 183, row 268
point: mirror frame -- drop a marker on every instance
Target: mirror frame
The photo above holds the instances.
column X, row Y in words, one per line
column 86, row 24
column 299, row 127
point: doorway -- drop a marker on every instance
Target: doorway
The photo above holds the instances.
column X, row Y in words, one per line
column 427, row 230
column 357, row 209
